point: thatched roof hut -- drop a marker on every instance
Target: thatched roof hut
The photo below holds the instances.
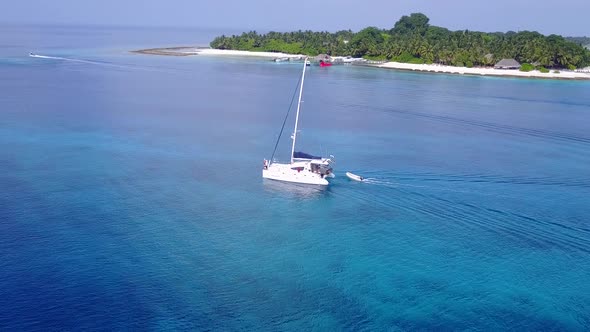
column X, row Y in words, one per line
column 507, row 64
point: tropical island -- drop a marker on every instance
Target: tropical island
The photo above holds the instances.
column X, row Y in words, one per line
column 414, row 40
column 413, row 44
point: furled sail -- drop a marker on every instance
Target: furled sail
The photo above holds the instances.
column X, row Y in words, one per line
column 303, row 155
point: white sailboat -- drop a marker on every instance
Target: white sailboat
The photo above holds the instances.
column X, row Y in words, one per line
column 303, row 168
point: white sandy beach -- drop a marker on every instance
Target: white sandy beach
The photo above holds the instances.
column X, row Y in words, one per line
column 484, row 71
column 211, row 51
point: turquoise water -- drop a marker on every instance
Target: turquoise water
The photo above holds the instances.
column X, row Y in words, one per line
column 132, row 194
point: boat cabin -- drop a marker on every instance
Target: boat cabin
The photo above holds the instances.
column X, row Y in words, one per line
column 321, row 167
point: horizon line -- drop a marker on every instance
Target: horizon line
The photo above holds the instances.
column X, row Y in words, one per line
column 241, row 29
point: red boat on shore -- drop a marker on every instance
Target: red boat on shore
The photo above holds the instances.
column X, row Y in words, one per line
column 325, row 63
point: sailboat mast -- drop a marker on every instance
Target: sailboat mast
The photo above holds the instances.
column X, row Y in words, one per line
column 298, row 108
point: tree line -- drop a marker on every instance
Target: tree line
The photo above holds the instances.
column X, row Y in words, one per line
column 584, row 41
column 412, row 39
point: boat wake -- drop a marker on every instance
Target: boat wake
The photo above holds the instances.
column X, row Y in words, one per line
column 430, row 180
column 100, row 63
column 400, row 185
column 480, row 205
column 39, row 56
column 453, row 182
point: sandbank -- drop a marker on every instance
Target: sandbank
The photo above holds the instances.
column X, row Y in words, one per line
column 191, row 50
column 170, row 51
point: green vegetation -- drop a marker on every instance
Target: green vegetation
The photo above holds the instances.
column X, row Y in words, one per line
column 407, row 58
column 413, row 40
column 543, row 69
column 526, row 67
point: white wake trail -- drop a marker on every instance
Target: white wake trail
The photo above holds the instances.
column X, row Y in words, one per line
column 66, row 59
column 399, row 185
column 100, row 63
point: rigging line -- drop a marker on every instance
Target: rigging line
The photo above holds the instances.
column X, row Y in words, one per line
column 285, row 120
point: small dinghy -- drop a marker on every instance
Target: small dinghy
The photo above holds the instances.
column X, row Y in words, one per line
column 354, row 177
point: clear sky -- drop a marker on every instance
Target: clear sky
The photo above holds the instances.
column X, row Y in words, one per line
column 565, row 17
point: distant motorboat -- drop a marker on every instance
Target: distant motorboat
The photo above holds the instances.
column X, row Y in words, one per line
column 283, row 59
column 346, row 60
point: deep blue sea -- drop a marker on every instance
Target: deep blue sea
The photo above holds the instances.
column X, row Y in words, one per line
column 131, row 194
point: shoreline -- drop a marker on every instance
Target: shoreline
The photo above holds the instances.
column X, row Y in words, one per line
column 479, row 71
column 424, row 68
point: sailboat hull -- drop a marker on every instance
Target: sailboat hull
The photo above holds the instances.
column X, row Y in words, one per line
column 292, row 173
